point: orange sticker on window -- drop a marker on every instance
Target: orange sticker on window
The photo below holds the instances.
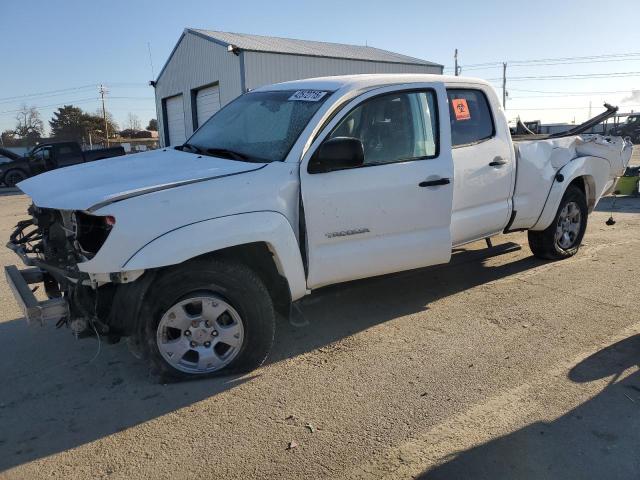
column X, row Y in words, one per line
column 461, row 109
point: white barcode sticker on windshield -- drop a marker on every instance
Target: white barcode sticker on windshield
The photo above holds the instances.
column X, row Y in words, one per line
column 308, row 95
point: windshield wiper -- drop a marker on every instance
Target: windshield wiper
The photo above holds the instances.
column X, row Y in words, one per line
column 233, row 155
column 191, row 147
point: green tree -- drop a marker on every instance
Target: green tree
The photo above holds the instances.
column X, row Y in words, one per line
column 72, row 124
column 68, row 123
column 153, row 125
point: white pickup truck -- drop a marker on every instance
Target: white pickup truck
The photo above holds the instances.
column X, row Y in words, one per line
column 190, row 250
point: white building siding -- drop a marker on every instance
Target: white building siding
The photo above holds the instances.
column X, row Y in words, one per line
column 196, row 62
column 265, row 68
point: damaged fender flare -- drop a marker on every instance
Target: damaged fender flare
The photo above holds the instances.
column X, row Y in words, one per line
column 211, row 235
column 591, row 169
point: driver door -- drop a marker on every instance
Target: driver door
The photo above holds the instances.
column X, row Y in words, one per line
column 393, row 212
column 39, row 159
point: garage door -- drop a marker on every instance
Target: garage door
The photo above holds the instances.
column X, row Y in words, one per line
column 175, row 120
column 207, row 103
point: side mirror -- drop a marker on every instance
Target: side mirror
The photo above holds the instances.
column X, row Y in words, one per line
column 337, row 153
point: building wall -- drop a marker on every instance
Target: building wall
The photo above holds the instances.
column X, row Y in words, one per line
column 196, row 63
column 265, row 68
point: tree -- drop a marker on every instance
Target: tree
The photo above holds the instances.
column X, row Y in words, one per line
column 133, row 122
column 72, row 124
column 29, row 124
column 68, row 123
column 8, row 139
column 111, row 123
column 153, row 125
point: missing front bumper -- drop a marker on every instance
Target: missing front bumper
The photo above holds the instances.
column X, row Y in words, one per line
column 34, row 311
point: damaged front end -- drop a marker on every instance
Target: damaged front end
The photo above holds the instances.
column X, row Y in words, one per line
column 53, row 243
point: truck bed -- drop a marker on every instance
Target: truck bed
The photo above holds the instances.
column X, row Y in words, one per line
column 539, row 161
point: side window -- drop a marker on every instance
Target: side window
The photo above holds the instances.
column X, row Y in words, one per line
column 470, row 115
column 65, row 150
column 393, row 128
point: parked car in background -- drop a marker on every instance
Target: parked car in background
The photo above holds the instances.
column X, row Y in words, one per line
column 190, row 250
column 6, row 157
column 49, row 156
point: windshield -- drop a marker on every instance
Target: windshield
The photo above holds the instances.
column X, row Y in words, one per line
column 258, row 126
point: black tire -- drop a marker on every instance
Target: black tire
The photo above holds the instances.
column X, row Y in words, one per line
column 13, row 177
column 543, row 243
column 231, row 281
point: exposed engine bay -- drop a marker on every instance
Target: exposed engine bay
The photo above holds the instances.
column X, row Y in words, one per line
column 55, row 242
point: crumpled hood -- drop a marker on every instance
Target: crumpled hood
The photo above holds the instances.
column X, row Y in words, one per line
column 93, row 184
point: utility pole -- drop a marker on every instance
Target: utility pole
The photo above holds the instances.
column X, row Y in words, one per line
column 104, row 114
column 504, row 85
column 455, row 57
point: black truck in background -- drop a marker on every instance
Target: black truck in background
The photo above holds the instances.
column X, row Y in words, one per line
column 49, row 156
column 630, row 128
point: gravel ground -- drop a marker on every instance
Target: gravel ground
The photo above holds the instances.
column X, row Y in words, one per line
column 497, row 366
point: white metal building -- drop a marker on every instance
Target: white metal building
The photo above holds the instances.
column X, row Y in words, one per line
column 208, row 69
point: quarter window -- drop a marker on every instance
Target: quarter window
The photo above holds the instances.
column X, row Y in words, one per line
column 470, row 116
column 393, row 128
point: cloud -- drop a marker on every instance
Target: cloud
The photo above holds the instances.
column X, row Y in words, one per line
column 634, row 97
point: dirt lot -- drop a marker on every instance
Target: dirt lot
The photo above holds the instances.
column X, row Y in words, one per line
column 498, row 366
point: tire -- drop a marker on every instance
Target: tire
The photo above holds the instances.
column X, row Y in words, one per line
column 234, row 315
column 549, row 243
column 13, row 177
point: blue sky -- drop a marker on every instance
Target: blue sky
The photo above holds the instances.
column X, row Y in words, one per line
column 54, row 45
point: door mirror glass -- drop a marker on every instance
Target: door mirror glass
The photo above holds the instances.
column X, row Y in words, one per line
column 337, row 153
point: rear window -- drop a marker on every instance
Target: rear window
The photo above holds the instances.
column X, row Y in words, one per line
column 470, row 115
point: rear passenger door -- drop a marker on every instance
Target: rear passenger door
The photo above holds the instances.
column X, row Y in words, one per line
column 483, row 162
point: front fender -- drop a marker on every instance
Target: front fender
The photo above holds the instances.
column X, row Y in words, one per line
column 189, row 241
column 596, row 172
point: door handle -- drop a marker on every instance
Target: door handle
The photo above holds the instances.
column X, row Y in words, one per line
column 498, row 162
column 435, row 183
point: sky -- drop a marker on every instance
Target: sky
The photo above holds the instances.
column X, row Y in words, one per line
column 58, row 52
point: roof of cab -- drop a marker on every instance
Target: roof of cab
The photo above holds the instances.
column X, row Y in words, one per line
column 354, row 82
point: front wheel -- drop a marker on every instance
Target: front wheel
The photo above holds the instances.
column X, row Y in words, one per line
column 13, row 177
column 563, row 237
column 208, row 317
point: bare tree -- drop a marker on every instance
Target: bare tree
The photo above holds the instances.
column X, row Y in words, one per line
column 133, row 122
column 29, row 125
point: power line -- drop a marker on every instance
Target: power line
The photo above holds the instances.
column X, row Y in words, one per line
column 556, row 59
column 567, row 92
column 63, row 91
column 50, row 92
column 563, row 108
column 82, row 100
column 572, row 77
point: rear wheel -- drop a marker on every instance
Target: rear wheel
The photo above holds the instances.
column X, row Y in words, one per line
column 208, row 317
column 13, row 177
column 563, row 237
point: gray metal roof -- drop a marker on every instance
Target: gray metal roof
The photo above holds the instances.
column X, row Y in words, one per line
column 258, row 43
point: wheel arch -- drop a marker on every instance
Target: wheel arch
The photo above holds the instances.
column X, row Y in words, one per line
column 263, row 240
column 589, row 174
